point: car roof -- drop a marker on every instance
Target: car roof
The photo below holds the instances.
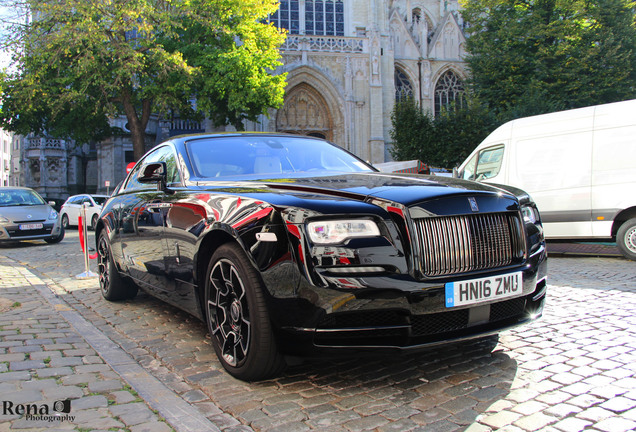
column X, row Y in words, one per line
column 188, row 137
column 15, row 188
column 92, row 195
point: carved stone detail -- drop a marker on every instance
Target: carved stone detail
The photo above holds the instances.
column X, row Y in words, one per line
column 304, row 112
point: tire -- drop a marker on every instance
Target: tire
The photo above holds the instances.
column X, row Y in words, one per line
column 65, row 221
column 59, row 238
column 94, row 220
column 237, row 317
column 626, row 239
column 112, row 285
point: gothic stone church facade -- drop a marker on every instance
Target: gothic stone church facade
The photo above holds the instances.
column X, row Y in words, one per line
column 347, row 62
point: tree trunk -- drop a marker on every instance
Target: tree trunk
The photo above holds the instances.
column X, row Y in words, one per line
column 136, row 124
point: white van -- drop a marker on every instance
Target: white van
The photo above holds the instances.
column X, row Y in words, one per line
column 578, row 165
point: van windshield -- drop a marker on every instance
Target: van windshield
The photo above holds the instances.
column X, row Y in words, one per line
column 485, row 164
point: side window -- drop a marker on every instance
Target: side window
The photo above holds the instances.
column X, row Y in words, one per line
column 489, row 162
column 132, row 182
column 163, row 153
column 170, row 158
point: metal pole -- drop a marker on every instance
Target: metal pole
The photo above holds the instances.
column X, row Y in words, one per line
column 87, row 274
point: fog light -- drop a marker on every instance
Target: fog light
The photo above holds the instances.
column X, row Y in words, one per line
column 341, row 270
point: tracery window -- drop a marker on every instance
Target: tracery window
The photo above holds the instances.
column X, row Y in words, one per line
column 417, row 15
column 449, row 92
column 403, row 87
column 312, row 17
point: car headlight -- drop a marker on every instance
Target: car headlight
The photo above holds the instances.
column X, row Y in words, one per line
column 337, row 231
column 3, row 219
column 530, row 214
column 53, row 215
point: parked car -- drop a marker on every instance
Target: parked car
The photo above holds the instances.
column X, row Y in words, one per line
column 72, row 208
column 289, row 245
column 24, row 215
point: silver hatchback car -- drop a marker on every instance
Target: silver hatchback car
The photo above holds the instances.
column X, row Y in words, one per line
column 24, row 215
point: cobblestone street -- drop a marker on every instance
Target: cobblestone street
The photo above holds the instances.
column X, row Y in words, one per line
column 143, row 365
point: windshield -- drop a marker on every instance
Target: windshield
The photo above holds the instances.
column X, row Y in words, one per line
column 19, row 197
column 99, row 200
column 265, row 155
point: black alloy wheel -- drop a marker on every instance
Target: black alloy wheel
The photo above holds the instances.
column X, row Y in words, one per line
column 112, row 285
column 237, row 317
column 94, row 220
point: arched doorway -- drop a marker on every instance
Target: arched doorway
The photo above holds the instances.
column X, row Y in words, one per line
column 305, row 112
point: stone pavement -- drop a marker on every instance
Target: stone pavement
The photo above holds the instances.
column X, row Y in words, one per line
column 572, row 370
column 43, row 359
column 565, row 248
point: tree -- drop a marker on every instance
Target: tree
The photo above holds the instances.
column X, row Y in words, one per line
column 534, row 56
column 443, row 141
column 412, row 132
column 81, row 62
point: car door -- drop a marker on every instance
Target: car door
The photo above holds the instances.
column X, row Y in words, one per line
column 183, row 221
column 141, row 217
column 72, row 210
column 85, row 201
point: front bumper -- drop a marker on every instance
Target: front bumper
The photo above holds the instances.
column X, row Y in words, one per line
column 397, row 313
column 12, row 232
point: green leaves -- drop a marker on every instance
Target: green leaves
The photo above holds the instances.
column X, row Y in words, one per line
column 84, row 61
column 442, row 141
column 535, row 56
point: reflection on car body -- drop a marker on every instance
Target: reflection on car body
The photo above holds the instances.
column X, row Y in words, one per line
column 289, row 245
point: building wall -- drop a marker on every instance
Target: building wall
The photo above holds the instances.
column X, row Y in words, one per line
column 6, row 139
column 343, row 87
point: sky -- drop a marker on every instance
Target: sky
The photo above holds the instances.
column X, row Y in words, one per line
column 5, row 16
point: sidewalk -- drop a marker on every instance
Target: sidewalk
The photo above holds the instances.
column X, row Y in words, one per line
column 58, row 371
column 572, row 248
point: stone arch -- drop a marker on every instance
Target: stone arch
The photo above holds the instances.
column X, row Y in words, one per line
column 305, row 112
column 448, row 88
column 400, row 69
column 308, row 85
column 403, row 85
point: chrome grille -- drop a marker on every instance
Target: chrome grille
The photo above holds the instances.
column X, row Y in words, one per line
column 458, row 244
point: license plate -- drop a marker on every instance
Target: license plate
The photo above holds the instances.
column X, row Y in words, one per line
column 31, row 226
column 484, row 289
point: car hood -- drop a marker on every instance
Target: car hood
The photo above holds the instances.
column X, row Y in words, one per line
column 407, row 189
column 26, row 213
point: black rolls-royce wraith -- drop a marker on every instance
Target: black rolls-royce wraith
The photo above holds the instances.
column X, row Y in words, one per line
column 289, row 245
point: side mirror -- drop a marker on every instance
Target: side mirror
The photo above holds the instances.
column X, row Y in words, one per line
column 455, row 173
column 152, row 173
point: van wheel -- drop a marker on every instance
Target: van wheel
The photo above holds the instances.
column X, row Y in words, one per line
column 626, row 239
